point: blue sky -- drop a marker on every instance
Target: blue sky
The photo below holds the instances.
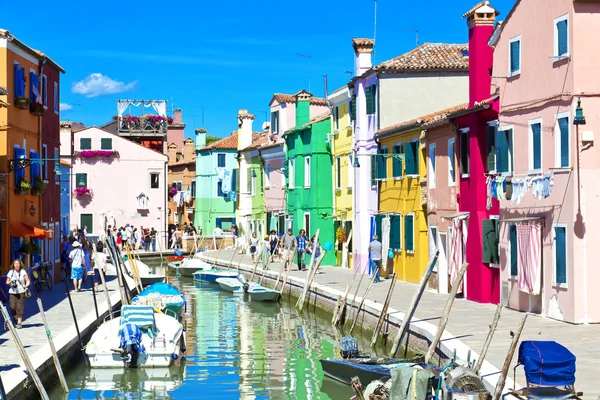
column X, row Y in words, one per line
column 218, row 55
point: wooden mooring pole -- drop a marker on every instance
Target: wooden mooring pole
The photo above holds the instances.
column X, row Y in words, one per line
column 309, row 281
column 76, row 324
column 103, row 279
column 383, row 314
column 339, row 310
column 362, row 302
column 508, row 360
column 488, row 340
column 59, row 371
column 24, row 356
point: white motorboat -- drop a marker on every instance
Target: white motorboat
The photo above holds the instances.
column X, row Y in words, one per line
column 146, row 275
column 188, row 266
column 157, row 343
column 211, row 275
column 261, row 293
column 236, row 285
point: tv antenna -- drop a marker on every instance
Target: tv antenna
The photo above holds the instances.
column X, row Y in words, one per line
column 416, row 31
column 309, row 66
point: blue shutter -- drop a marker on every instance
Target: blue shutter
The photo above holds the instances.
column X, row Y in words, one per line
column 35, row 167
column 15, row 245
column 536, row 131
column 397, row 163
column 17, row 80
column 514, row 260
column 395, row 233
column 515, row 50
column 563, row 44
column 37, row 258
column 19, row 171
column 33, row 83
column 409, row 233
column 563, row 124
column 561, row 254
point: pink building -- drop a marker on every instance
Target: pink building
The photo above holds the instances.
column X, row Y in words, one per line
column 542, row 65
column 274, row 161
column 175, row 129
column 115, row 181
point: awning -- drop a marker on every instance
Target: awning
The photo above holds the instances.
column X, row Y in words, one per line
column 25, row 230
column 525, row 220
column 463, row 214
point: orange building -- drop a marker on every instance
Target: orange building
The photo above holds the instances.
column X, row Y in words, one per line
column 182, row 176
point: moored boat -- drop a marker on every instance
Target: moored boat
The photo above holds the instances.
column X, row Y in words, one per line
column 147, row 277
column 211, row 275
column 232, row 285
column 261, row 293
column 163, row 297
column 190, row 265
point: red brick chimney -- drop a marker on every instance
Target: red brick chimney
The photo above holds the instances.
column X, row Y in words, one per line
column 177, row 116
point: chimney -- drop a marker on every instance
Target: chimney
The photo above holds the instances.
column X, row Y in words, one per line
column 480, row 20
column 188, row 150
column 363, row 52
column 302, row 108
column 200, row 138
column 172, row 152
column 177, row 116
column 244, row 128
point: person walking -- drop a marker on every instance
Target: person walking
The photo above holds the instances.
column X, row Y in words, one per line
column 100, row 266
column 64, row 256
column 289, row 241
column 314, row 247
column 273, row 241
column 254, row 246
column 77, row 265
column 375, row 257
column 153, row 239
column 87, row 254
column 18, row 283
column 302, row 242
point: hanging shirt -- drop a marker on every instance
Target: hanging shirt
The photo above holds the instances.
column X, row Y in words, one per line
column 226, row 187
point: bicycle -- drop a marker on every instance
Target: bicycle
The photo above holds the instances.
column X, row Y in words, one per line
column 43, row 278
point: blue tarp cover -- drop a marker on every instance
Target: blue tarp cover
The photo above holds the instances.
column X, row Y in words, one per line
column 162, row 288
column 547, row 363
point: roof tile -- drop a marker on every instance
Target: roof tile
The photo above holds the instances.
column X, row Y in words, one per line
column 429, row 56
column 291, row 98
column 229, row 142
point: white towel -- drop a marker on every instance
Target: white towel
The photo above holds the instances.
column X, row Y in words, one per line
column 220, row 173
column 226, row 187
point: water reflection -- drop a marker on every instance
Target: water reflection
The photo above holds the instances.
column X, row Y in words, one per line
column 236, row 349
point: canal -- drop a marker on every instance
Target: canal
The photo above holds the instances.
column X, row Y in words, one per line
column 236, row 349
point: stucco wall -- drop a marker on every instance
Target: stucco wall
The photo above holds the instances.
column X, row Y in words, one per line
column 408, row 96
column 275, row 192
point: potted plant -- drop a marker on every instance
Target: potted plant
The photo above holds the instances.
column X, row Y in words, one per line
column 35, row 248
column 38, row 186
column 26, row 247
column 340, row 235
column 22, row 102
column 36, row 109
column 22, row 187
column 83, row 191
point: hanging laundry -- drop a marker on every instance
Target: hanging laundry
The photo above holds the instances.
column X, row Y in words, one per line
column 187, row 197
column 220, row 173
column 529, row 243
column 488, row 182
column 508, row 188
column 500, row 187
column 226, row 187
column 457, row 238
column 233, row 195
column 177, row 197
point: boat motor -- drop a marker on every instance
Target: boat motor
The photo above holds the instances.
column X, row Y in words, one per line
column 349, row 347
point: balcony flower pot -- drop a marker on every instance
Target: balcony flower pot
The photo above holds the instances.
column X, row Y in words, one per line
column 23, row 187
column 36, row 109
column 21, row 102
column 38, row 186
column 97, row 154
column 82, row 192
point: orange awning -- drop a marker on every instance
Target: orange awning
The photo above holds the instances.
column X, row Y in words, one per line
column 27, row 230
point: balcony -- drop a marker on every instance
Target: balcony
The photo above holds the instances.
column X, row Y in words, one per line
column 143, row 124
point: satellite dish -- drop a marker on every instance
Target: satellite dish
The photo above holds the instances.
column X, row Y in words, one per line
column 266, row 125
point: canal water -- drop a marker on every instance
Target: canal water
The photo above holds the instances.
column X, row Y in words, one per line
column 237, row 349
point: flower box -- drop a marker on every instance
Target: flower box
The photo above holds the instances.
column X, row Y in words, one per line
column 83, row 191
column 36, row 109
column 97, row 154
column 23, row 187
column 21, row 102
column 39, row 186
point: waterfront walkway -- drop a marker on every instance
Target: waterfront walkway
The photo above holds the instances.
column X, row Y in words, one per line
column 468, row 325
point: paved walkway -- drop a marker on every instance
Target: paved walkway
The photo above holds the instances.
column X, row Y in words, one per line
column 469, row 322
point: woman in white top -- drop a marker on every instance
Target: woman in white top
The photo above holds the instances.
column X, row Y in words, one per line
column 18, row 281
column 100, row 265
column 254, row 246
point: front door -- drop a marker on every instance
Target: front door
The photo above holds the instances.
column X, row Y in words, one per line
column 87, row 222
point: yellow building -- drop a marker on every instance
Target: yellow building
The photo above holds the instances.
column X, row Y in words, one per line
column 343, row 172
column 400, row 198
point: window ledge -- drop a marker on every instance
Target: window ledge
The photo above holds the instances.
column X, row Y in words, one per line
column 560, row 285
column 561, row 169
column 410, row 252
column 534, row 171
column 556, row 59
column 398, row 178
column 465, row 176
column 494, row 265
column 338, row 190
column 348, row 187
column 414, row 176
column 513, row 278
column 514, row 74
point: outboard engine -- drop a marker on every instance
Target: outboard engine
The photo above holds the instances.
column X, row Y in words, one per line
column 348, row 347
column 131, row 345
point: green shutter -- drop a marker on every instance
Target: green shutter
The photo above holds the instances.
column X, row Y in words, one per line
column 378, row 220
column 106, row 144
column 502, row 150
column 409, row 233
column 85, row 144
column 395, row 233
column 373, row 169
column 563, row 44
column 382, row 164
column 416, row 151
column 249, row 180
column 561, row 254
column 515, row 54
column 563, row 124
column 409, row 158
column 353, row 108
column 81, row 180
column 396, row 162
column 370, row 99
column 87, row 220
column 491, row 148
column 536, row 131
column 514, row 254
column 489, row 232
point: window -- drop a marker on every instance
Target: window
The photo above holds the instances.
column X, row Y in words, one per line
column 221, row 162
column 431, row 172
column 561, row 37
column 307, row 171
column 252, row 185
column 87, row 222
column 560, row 255
column 34, row 85
column 56, row 99
column 220, row 189
column 338, row 172
column 19, row 80
column 154, row 180
column 514, row 250
column 489, row 233
column 370, row 92
column 353, row 108
column 291, row 173
column 350, row 171
column 562, row 140
column 56, row 165
column 535, row 144
column 34, row 167
column 336, row 117
column 464, row 153
column 81, row 180
column 45, row 91
column 409, row 233
column 307, row 223
column 45, row 163
column 85, row 144
column 411, row 157
column 382, row 164
column 274, row 121
column 514, row 56
column 179, row 186
column 193, row 189
column 396, row 162
column 396, row 232
column 499, row 148
column 106, row 144
column 451, row 170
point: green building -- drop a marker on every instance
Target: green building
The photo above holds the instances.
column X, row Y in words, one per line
column 309, row 179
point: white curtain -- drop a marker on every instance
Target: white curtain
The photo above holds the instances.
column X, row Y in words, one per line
column 160, row 106
column 122, row 106
column 385, row 241
column 529, row 243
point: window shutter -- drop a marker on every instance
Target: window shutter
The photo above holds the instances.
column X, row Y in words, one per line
column 563, row 45
column 409, row 232
column 514, row 260
column 409, row 158
column 353, row 108
column 536, row 130
column 378, row 220
column 491, row 148
column 373, row 170
column 563, row 124
column 19, row 171
column 106, row 143
column 35, row 167
column 514, row 56
column 18, row 81
column 248, row 180
column 235, row 178
column 397, row 163
column 561, row 255
column 395, row 232
column 489, row 231
column 85, row 144
column 370, row 99
column 382, row 164
column 33, row 87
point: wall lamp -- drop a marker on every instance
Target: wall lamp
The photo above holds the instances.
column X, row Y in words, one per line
column 579, row 117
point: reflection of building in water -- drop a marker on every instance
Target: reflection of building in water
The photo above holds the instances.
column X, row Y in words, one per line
column 246, row 351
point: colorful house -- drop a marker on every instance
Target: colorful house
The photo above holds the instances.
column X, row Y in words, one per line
column 429, row 78
column 215, row 199
column 273, row 155
column 343, row 174
column 309, row 197
column 548, row 261
column 182, row 178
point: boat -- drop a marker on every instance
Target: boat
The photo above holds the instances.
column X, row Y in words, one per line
column 163, row 297
column 549, row 371
column 233, row 285
column 211, row 275
column 460, row 382
column 261, row 293
column 147, row 277
column 139, row 337
column 188, row 266
column 174, row 258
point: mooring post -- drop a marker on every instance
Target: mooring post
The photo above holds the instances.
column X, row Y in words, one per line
column 508, row 360
column 105, row 289
column 59, row 371
column 76, row 324
column 383, row 314
column 362, row 302
column 488, row 340
column 313, row 273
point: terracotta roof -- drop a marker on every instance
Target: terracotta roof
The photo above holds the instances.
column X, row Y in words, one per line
column 426, row 121
column 258, row 139
column 362, row 41
column 229, row 142
column 429, row 56
column 321, row 117
column 200, row 130
column 291, row 98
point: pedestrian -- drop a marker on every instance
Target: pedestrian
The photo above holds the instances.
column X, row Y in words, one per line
column 302, row 241
column 133, row 238
column 100, row 265
column 153, row 239
column 253, row 246
column 87, row 254
column 289, row 241
column 314, row 247
column 234, row 230
column 18, row 282
column 178, row 238
column 120, row 238
column 85, row 232
column 64, row 256
column 273, row 240
column 77, row 265
column 375, row 258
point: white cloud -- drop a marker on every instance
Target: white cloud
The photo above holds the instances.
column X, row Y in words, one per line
column 65, row 107
column 97, row 84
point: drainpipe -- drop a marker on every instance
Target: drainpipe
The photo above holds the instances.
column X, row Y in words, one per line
column 40, row 122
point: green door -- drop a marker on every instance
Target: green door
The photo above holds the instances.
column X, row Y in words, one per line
column 87, row 220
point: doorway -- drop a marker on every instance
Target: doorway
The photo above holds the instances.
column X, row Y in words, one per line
column 442, row 263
